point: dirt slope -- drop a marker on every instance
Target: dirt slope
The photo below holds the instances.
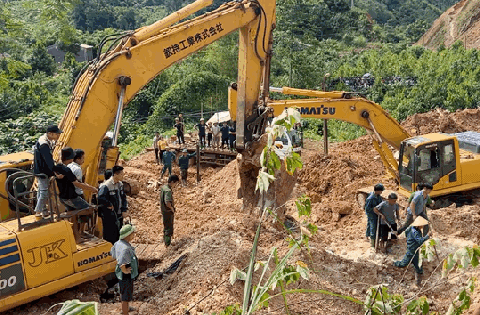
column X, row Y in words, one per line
column 215, row 234
column 460, row 22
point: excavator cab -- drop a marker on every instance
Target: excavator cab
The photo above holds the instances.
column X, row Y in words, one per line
column 428, row 159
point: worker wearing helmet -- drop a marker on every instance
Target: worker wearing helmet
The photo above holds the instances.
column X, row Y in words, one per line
column 183, row 161
column 373, row 200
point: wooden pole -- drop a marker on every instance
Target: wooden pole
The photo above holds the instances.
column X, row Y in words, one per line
column 198, row 162
column 325, row 136
column 376, row 234
column 325, row 125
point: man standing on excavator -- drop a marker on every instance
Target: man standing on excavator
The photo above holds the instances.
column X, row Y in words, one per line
column 43, row 166
column 373, row 200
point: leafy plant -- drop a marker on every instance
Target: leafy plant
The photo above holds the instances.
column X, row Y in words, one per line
column 75, row 307
column 463, row 300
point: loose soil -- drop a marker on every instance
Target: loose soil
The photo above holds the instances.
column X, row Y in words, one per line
column 459, row 22
column 215, row 233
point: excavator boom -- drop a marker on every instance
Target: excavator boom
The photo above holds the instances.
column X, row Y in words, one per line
column 356, row 110
column 346, row 107
column 113, row 79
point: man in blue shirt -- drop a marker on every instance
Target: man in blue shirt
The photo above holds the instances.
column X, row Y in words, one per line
column 373, row 200
column 183, row 162
column 414, row 241
column 418, row 205
column 168, row 157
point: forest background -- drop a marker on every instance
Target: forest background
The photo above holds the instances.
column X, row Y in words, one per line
column 373, row 37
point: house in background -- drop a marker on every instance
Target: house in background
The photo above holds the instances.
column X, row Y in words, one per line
column 84, row 53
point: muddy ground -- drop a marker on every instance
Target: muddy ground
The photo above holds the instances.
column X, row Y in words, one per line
column 216, row 235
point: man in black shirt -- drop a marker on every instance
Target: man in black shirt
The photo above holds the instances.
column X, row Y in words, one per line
column 113, row 205
column 44, row 166
column 201, row 132
column 232, row 130
column 66, row 184
column 179, row 126
column 225, row 134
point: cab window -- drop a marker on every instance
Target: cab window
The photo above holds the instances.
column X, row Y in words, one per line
column 428, row 165
column 448, row 158
column 428, row 159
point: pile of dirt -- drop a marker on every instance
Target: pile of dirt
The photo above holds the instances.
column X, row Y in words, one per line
column 332, row 181
column 459, row 22
column 462, row 222
column 441, row 120
column 215, row 233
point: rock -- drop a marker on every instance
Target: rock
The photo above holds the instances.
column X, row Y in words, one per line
column 342, row 207
column 354, row 292
column 207, row 196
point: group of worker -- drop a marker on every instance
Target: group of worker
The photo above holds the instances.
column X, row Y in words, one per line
column 112, row 202
column 111, row 199
column 211, row 135
column 165, row 155
column 416, row 226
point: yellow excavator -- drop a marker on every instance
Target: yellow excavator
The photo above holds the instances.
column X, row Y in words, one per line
column 40, row 258
column 450, row 162
column 44, row 257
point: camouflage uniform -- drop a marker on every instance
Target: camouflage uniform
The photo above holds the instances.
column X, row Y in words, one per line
column 167, row 214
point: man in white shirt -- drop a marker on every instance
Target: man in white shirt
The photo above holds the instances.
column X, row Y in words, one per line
column 76, row 167
column 216, row 135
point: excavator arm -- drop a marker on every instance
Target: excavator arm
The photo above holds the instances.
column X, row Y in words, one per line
column 113, row 79
column 356, row 110
column 346, row 107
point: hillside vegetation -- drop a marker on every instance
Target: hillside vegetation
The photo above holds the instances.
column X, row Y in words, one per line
column 461, row 22
column 312, row 38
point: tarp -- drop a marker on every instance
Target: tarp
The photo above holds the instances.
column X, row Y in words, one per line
column 220, row 117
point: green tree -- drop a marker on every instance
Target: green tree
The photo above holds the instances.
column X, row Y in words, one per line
column 41, row 60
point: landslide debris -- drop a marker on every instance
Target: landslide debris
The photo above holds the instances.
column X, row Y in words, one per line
column 459, row 22
column 441, row 120
column 216, row 234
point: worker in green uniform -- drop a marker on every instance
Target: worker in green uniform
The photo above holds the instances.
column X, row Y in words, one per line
column 168, row 208
column 183, row 164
